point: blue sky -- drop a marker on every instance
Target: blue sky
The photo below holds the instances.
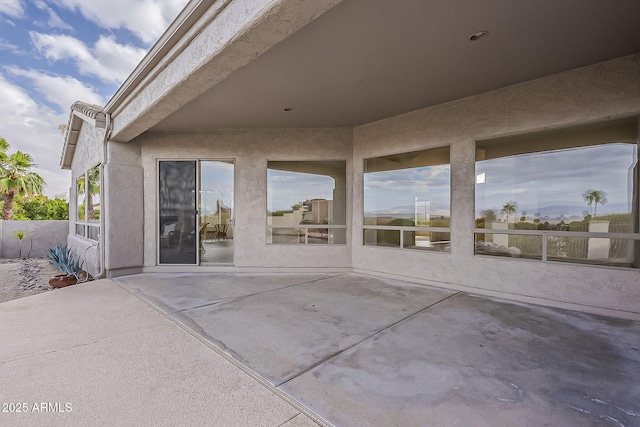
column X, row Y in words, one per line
column 56, row 52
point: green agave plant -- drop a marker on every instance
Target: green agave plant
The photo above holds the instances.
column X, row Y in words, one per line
column 64, row 260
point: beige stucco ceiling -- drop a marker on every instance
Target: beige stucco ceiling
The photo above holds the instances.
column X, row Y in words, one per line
column 364, row 60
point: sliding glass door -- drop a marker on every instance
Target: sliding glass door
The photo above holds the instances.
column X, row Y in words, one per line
column 178, row 213
column 216, row 212
column 195, row 212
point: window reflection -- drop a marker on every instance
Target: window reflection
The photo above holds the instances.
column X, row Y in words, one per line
column 93, row 194
column 88, row 204
column 574, row 180
column 408, row 190
column 80, row 197
column 306, row 193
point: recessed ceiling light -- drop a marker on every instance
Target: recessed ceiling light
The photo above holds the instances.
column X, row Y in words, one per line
column 478, row 35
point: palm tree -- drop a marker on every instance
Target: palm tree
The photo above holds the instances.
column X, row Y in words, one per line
column 16, row 178
column 93, row 188
column 509, row 208
column 593, row 197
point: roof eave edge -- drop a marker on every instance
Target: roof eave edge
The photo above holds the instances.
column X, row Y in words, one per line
column 173, row 34
column 80, row 112
column 70, row 141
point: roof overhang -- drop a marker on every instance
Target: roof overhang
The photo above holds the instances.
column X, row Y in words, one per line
column 183, row 28
column 209, row 41
column 80, row 113
column 342, row 63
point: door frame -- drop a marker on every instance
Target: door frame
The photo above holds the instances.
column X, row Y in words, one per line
column 231, row 161
column 198, row 207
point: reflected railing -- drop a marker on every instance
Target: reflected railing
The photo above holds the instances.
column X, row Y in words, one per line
column 598, row 248
column 437, row 239
column 307, row 234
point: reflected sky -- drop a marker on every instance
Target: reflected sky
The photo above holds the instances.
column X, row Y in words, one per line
column 216, row 184
column 396, row 191
column 550, row 183
column 286, row 188
column 538, row 182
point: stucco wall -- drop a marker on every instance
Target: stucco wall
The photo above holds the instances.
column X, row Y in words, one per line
column 607, row 90
column 123, row 193
column 88, row 153
column 39, row 235
column 251, row 149
column 124, row 238
column 595, row 93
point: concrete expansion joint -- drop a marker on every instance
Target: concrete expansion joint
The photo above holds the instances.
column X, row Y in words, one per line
column 241, row 366
column 29, row 356
column 226, row 300
column 249, row 295
column 339, row 352
column 289, row 420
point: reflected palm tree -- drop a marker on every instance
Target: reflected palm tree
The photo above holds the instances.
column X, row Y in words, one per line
column 509, row 208
column 92, row 187
column 593, row 197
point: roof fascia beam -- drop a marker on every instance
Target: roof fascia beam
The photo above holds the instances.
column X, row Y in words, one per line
column 227, row 37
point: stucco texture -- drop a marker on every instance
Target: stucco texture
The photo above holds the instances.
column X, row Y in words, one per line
column 250, row 150
column 88, row 153
column 599, row 92
column 595, row 93
column 38, row 236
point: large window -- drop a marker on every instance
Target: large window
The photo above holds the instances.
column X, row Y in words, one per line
column 568, row 195
column 88, row 204
column 306, row 202
column 407, row 200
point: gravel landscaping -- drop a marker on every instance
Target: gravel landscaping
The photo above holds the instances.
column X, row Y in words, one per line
column 23, row 277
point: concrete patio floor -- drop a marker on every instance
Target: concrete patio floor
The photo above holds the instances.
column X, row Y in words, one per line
column 295, row 350
column 95, row 355
column 365, row 351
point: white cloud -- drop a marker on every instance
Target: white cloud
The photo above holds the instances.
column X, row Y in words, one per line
column 54, row 20
column 33, row 128
column 15, row 99
column 11, row 8
column 558, row 177
column 107, row 60
column 60, row 90
column 5, row 45
column 286, row 188
column 147, row 19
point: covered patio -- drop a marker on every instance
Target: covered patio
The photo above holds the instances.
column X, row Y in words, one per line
column 363, row 350
column 297, row 350
column 383, row 138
